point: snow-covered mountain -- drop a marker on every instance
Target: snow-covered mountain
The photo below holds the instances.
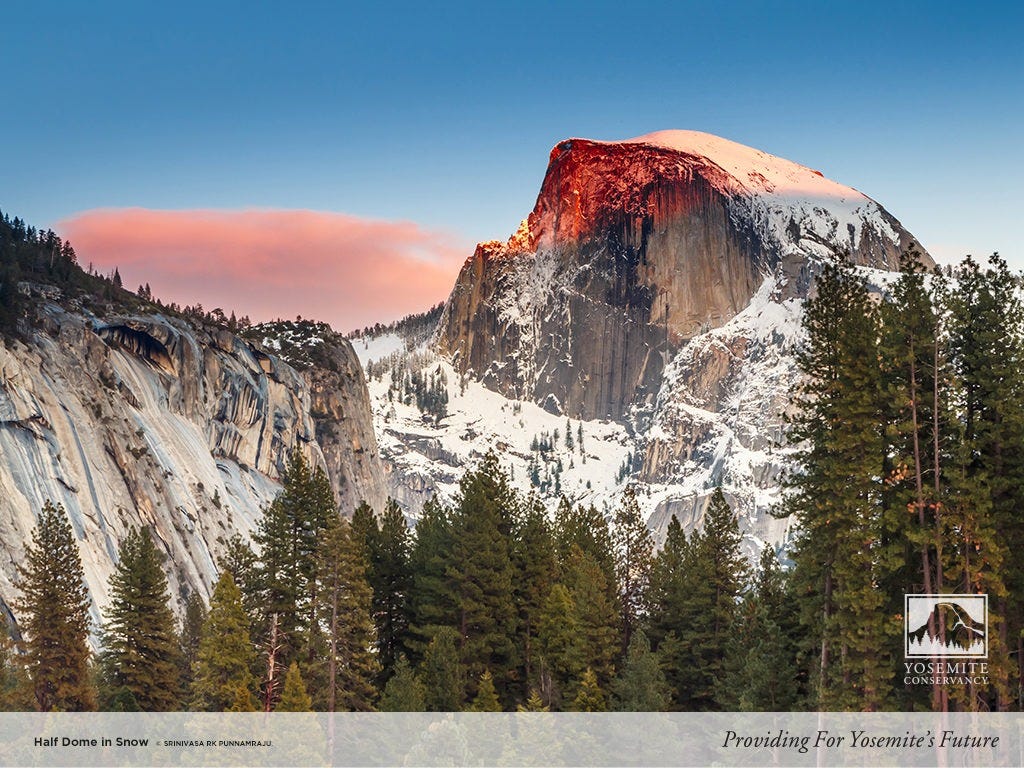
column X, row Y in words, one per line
column 652, row 300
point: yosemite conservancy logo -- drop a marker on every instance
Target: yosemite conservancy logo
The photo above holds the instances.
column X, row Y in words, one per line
column 950, row 626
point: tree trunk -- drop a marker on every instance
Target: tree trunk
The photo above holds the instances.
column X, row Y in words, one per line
column 272, row 650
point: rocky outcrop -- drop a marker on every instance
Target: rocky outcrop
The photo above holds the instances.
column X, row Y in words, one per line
column 343, row 426
column 659, row 283
column 634, row 248
column 148, row 420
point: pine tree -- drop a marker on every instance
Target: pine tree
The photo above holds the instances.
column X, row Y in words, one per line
column 444, row 678
column 344, row 603
column 288, row 535
column 589, row 696
column 188, row 638
column 241, row 697
column 486, row 699
column 672, row 607
column 404, row 692
column 534, row 562
column 481, row 573
column 695, row 588
column 241, row 562
column 717, row 548
column 533, row 703
column 761, row 646
column 365, row 530
column 641, row 687
column 54, row 616
column 916, row 414
column 15, row 686
column 843, row 550
column 431, row 603
column 986, row 330
column 587, row 529
column 294, row 697
column 559, row 650
column 595, row 615
column 140, row 649
column 634, row 553
column 223, row 677
column 391, row 580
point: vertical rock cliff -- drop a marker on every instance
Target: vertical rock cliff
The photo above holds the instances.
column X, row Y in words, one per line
column 178, row 425
column 659, row 283
column 634, row 248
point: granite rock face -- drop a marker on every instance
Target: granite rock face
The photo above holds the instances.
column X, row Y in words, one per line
column 148, row 420
column 659, row 283
column 634, row 248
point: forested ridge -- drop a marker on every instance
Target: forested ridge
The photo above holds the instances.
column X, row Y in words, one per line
column 38, row 264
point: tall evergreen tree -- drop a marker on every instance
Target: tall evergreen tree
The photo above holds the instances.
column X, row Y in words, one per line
column 15, row 686
column 986, row 328
column 223, row 678
column 444, row 678
column 486, row 699
column 140, row 650
column 288, row 535
column 559, row 651
column 54, row 616
column 431, row 604
column 844, row 550
column 534, row 562
column 344, row 597
column 404, row 692
column 696, row 587
column 587, row 529
column 634, row 553
column 481, row 573
column 294, row 697
column 594, row 614
column 915, row 374
column 188, row 638
column 365, row 530
column 533, row 703
column 241, row 562
column 760, row 646
column 641, row 686
column 391, row 581
column 242, row 698
column 589, row 696
column 672, row 608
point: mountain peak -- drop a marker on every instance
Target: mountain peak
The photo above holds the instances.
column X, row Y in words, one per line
column 793, row 210
column 638, row 246
column 755, row 170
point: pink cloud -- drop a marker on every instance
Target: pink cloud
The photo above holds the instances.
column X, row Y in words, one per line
column 346, row 270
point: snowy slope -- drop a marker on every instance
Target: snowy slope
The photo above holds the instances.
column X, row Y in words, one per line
column 659, row 283
column 427, row 456
column 777, row 192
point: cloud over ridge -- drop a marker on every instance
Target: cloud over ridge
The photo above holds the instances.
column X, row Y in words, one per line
column 346, row 270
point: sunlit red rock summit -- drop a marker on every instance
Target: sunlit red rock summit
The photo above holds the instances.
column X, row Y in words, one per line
column 633, row 248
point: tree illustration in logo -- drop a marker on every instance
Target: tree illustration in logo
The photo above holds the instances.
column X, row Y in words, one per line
column 949, row 628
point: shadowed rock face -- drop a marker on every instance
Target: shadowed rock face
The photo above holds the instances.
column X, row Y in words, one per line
column 152, row 421
column 631, row 250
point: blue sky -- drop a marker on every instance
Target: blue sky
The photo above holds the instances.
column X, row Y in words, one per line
column 444, row 114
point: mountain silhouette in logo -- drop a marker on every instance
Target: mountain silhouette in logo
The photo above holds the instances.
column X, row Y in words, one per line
column 961, row 630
